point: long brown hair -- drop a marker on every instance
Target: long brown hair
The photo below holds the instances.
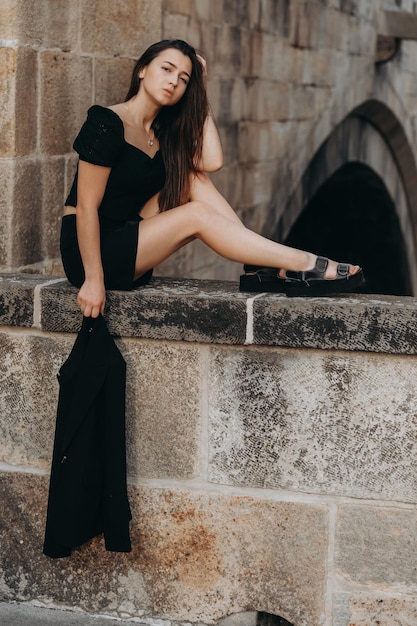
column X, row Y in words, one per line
column 179, row 128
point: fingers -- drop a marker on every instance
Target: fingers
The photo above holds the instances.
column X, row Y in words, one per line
column 91, row 304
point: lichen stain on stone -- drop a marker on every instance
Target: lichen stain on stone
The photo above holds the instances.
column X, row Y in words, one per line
column 175, row 542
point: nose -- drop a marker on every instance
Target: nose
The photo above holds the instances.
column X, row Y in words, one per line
column 173, row 79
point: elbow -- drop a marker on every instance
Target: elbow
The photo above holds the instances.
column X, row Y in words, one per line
column 214, row 165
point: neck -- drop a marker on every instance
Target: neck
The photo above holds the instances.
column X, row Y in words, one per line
column 142, row 113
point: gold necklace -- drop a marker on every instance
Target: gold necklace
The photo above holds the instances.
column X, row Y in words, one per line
column 151, row 136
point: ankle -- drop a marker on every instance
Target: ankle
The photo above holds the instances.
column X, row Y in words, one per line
column 308, row 262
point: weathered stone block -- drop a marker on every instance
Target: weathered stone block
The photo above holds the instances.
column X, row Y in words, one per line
column 60, row 125
column 26, row 217
column 8, row 61
column 7, row 169
column 163, row 409
column 53, row 194
column 365, row 322
column 112, row 80
column 262, row 141
column 41, row 23
column 18, row 130
column 275, row 16
column 176, row 25
column 166, row 309
column 265, row 100
column 362, row 557
column 178, row 6
column 28, row 397
column 120, row 27
column 363, row 609
column 304, row 421
column 195, row 558
column 17, row 299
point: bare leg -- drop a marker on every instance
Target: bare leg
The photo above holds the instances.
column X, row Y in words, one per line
column 162, row 234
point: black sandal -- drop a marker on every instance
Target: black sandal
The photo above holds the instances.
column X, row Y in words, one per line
column 258, row 279
column 314, row 282
column 309, row 283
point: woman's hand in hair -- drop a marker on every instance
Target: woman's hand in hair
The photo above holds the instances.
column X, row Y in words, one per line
column 203, row 64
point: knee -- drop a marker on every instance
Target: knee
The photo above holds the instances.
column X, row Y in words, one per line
column 202, row 212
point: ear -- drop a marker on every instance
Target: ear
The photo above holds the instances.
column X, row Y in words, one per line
column 142, row 73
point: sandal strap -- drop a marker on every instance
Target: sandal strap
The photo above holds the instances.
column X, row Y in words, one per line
column 321, row 265
column 343, row 269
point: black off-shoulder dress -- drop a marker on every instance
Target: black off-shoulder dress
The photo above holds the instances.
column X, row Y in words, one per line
column 134, row 179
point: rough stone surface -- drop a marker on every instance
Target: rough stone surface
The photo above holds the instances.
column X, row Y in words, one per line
column 204, row 311
column 159, row 416
column 163, row 399
column 28, row 397
column 195, row 558
column 364, row 609
column 62, row 74
column 371, row 323
column 362, row 557
column 318, row 422
column 17, row 299
column 119, row 27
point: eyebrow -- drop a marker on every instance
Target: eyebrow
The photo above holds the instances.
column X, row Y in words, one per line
column 176, row 67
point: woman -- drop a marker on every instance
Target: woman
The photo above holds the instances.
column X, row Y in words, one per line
column 141, row 192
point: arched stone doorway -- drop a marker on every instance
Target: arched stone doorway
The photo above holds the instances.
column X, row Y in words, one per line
column 352, row 217
column 357, row 200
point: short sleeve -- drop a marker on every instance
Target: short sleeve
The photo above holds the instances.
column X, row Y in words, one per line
column 101, row 137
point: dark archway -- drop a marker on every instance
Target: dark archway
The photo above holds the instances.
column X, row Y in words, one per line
column 352, row 217
column 267, row 619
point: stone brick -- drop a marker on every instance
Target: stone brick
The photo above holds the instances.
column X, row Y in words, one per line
column 307, row 23
column 10, row 10
column 41, row 23
column 227, row 45
column 334, row 424
column 8, row 61
column 262, row 141
column 17, row 299
column 201, row 9
column 120, row 27
column 112, row 79
column 275, row 16
column 361, row 556
column 26, row 102
column 195, row 558
column 175, row 25
column 163, row 409
column 376, row 325
column 26, row 233
column 178, row 6
column 267, row 101
column 7, row 169
column 168, row 309
column 28, row 397
column 66, row 95
column 363, row 609
column 52, row 173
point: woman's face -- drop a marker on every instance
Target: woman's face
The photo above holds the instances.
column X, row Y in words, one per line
column 165, row 79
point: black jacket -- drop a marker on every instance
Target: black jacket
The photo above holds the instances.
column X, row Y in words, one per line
column 88, row 492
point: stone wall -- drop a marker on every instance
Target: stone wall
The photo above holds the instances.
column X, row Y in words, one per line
column 271, row 448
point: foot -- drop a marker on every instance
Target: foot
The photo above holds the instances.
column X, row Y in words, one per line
column 324, row 278
column 331, row 270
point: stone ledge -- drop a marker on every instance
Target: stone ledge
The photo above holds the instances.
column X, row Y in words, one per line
column 216, row 312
